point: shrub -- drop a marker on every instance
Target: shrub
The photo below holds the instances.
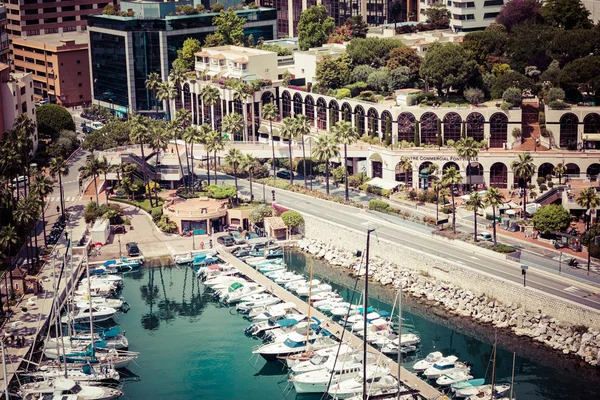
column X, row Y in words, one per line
column 555, row 94
column 550, row 184
column 502, row 248
column 542, row 118
column 343, row 93
column 414, row 99
column 543, row 188
column 221, row 192
column 166, row 225
column 412, row 195
column 257, row 216
column 378, row 205
column 516, row 133
column 357, row 179
column 292, row 219
column 540, row 180
column 356, row 88
column 474, row 95
column 52, row 118
column 156, row 213
column 505, row 106
column 558, row 105
column 375, row 190
column 513, row 96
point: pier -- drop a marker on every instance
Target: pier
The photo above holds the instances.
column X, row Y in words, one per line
column 408, row 378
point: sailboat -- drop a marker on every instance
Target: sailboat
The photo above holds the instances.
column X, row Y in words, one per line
column 60, row 388
column 85, row 374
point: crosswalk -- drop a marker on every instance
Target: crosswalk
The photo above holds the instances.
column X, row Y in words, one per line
column 56, row 199
column 571, row 289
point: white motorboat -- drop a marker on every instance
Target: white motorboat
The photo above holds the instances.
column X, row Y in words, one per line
column 235, row 295
column 318, row 299
column 442, row 367
column 284, row 321
column 378, row 380
column 187, row 258
column 265, row 269
column 344, row 309
column 322, row 287
column 317, row 359
column 288, row 277
column 264, row 313
column 98, row 314
column 84, row 301
column 483, row 390
column 207, row 273
column 407, row 342
column 302, row 286
column 104, row 291
column 260, row 300
column 294, row 343
column 223, row 281
column 292, row 286
column 428, row 361
column 118, row 342
column 378, row 323
column 104, row 286
column 455, row 376
column 85, row 374
column 99, row 279
column 255, row 261
column 64, row 386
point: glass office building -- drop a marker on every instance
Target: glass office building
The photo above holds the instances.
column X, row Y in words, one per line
column 124, row 50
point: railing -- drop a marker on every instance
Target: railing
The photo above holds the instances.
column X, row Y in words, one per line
column 204, row 213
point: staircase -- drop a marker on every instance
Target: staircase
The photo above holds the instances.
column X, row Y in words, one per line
column 135, row 159
column 530, row 127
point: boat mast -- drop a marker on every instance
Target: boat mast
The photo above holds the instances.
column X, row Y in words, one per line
column 56, row 319
column 512, row 379
column 494, row 366
column 310, row 278
column 6, row 395
column 89, row 285
column 399, row 338
column 365, row 305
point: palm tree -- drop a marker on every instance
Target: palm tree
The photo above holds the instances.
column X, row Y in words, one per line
column 346, row 135
column 152, row 84
column 451, row 178
column 8, row 238
column 25, row 214
column 174, row 132
column 205, row 133
column 433, row 169
column 524, row 169
column 139, row 134
column 190, row 135
column 404, row 165
column 588, row 198
column 233, row 125
column 248, row 164
column 242, row 94
column 104, row 168
column 303, row 128
column 92, row 169
column 559, row 170
column 493, row 197
column 159, row 142
column 234, row 158
column 42, row 187
column 210, row 95
column 59, row 167
column 436, row 185
column 326, row 148
column 177, row 77
column 475, row 203
column 215, row 145
column 288, row 131
column 166, row 92
column 467, row 148
column 271, row 113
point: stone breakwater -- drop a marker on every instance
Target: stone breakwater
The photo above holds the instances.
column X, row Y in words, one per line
column 576, row 340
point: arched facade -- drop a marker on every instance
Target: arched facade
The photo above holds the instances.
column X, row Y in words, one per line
column 498, row 130
column 373, row 122
column 218, row 115
column 568, row 130
column 450, row 164
column 452, row 127
column 376, row 165
column 347, row 112
column 406, row 127
column 572, row 170
column 321, row 113
column 387, row 127
column 359, row 120
column 545, row 169
column 593, row 170
column 474, row 169
column 194, row 109
column 499, row 175
column 334, row 112
column 309, row 106
column 286, row 104
column 591, row 123
column 475, row 126
column 404, row 175
column 298, row 104
column 267, row 98
column 429, row 128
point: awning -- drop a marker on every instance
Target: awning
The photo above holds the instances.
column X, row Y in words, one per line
column 532, row 208
column 380, row 183
column 591, row 137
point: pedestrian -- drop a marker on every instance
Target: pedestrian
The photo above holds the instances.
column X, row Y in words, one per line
column 58, row 209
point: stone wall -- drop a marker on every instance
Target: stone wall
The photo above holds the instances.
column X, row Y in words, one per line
column 556, row 322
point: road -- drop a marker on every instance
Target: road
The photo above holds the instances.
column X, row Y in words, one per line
column 419, row 237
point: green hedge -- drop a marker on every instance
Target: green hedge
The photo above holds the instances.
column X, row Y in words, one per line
column 375, row 190
column 378, row 205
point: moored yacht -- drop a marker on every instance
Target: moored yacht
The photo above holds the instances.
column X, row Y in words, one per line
column 64, row 386
column 294, row 343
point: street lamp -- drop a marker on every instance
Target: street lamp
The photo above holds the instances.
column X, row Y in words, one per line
column 119, row 238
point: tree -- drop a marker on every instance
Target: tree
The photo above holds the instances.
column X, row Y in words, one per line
column 152, row 84
column 360, row 73
column 205, row 136
column 186, row 55
column 559, row 170
column 474, row 95
column 210, row 96
column 494, row 198
column 139, row 135
column 520, row 11
column 524, row 169
column 340, row 34
column 166, row 92
column 333, row 73
column 326, row 148
column 230, row 27
column 114, row 134
column 528, row 45
column 588, row 198
column 159, row 142
column 589, row 238
column 258, row 215
column 302, row 127
column 398, row 78
column 447, row 66
column 551, row 218
column 451, row 178
column 508, row 80
column 182, row 120
column 345, row 134
column 271, row 113
column 59, row 167
column 404, row 166
column 51, row 119
column 437, row 13
column 221, row 192
column 314, row 27
column 566, row 14
column 233, row 125
column 288, row 131
column 358, row 26
column 42, row 186
column 215, row 144
column 483, row 44
column 378, row 81
column 234, row 158
column 91, row 169
column 475, row 203
column 372, row 51
column 513, row 96
column 248, row 164
column 292, row 219
column 583, row 72
column 8, row 238
column 404, row 57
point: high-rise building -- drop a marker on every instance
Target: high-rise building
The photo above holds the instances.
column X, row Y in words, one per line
column 4, row 43
column 39, row 17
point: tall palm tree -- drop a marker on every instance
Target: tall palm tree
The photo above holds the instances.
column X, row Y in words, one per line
column 433, row 170
column 174, row 132
column 241, row 93
column 25, row 214
column 234, row 158
column 451, row 178
column 139, row 134
column 524, row 169
column 475, row 203
column 177, row 77
column 92, row 169
column 588, row 198
column 493, row 197
column 8, row 238
column 302, row 129
column 190, row 136
column 205, row 133
column 288, row 131
column 159, row 142
column 210, row 95
column 405, row 165
column 232, row 125
column 59, row 167
column 271, row 113
column 215, row 144
column 104, row 168
column 436, row 185
column 346, row 135
column 559, row 170
column 42, row 187
column 467, row 148
column 326, row 148
column 248, row 164
column 152, row 84
column 166, row 92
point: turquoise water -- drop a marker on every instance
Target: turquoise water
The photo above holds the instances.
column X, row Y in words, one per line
column 193, row 348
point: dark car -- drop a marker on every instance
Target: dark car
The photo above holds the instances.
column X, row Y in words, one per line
column 226, row 241
column 132, row 249
column 119, row 229
column 284, row 174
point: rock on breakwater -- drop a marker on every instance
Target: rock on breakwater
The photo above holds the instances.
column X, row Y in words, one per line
column 577, row 340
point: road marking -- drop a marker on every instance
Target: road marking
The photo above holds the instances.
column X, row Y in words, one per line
column 571, row 289
column 473, row 257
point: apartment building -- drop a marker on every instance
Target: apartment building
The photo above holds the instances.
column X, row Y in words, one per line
column 467, row 15
column 16, row 98
column 236, row 62
column 4, row 43
column 59, row 64
column 40, row 17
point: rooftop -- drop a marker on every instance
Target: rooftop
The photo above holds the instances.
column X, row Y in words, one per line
column 232, row 51
column 56, row 39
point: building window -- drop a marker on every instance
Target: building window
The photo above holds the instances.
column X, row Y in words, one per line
column 23, row 90
column 85, row 7
column 29, row 60
column 50, row 20
column 50, row 65
column 19, row 68
column 31, row 12
column 24, row 107
column 33, row 32
column 491, row 15
column 80, row 85
column 68, row 19
column 469, row 4
column 49, row 10
column 39, row 62
column 84, row 28
column 79, row 73
column 30, row 2
column 81, row 96
column 18, row 57
column 32, row 22
column 489, row 3
column 31, row 97
column 51, row 30
column 51, row 87
column 78, row 61
column 40, row 73
column 68, row 8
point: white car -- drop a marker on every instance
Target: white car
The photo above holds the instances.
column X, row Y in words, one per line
column 485, row 236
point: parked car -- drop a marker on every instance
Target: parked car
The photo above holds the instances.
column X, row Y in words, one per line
column 132, row 249
column 485, row 236
column 283, row 174
column 226, row 241
column 237, row 237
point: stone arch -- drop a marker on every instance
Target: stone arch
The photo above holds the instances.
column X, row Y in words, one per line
column 572, row 170
column 373, row 122
column 347, row 112
column 298, row 104
column 376, row 165
column 406, row 127
column 334, row 113
column 450, row 164
column 474, row 169
column 359, row 119
column 568, row 130
column 452, row 126
column 475, row 126
column 429, row 128
column 499, row 175
column 387, row 126
column 591, row 123
column 404, row 175
column 309, row 109
column 321, row 113
column 286, row 104
column 267, row 98
column 545, row 169
column 498, row 130
column 593, row 170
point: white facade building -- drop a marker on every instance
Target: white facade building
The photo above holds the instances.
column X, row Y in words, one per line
column 17, row 99
column 237, row 62
column 467, row 15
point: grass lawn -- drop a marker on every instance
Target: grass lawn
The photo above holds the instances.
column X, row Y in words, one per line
column 143, row 204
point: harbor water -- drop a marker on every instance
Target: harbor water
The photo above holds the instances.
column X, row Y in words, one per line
column 194, row 348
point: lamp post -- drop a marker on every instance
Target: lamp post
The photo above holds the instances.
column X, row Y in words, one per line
column 264, row 194
column 311, row 166
column 119, row 238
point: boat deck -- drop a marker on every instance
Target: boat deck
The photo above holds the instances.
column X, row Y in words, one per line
column 408, row 378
